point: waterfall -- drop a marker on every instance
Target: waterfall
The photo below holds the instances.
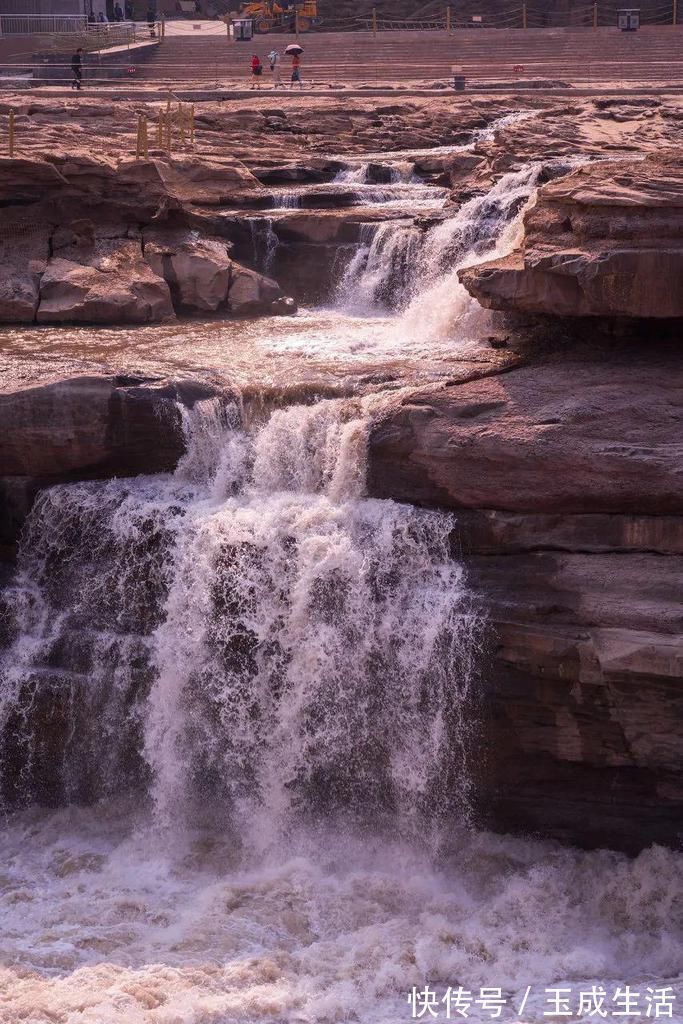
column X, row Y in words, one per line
column 381, row 270
column 287, row 199
column 248, row 640
column 361, row 173
column 264, row 242
column 412, row 270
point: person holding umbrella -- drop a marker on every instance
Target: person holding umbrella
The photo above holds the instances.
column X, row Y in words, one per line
column 295, row 51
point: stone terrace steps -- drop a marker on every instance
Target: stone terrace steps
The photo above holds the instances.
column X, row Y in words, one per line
column 653, row 54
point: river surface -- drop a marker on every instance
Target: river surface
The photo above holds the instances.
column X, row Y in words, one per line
column 249, row 691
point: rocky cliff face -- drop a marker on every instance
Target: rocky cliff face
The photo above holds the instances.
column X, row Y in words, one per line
column 85, row 240
column 87, row 428
column 567, row 481
column 604, row 241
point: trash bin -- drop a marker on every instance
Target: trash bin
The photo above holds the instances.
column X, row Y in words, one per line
column 242, row 29
column 458, row 78
column 628, row 19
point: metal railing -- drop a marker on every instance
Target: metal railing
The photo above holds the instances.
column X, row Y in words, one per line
column 92, row 37
column 518, row 14
column 70, row 25
column 38, row 24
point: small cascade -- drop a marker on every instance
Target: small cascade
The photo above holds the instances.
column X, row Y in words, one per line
column 400, row 266
column 396, row 172
column 249, row 640
column 382, row 268
column 287, row 200
column 355, row 174
column 392, row 185
column 264, row 242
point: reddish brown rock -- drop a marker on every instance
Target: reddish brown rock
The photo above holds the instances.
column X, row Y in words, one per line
column 567, row 437
column 103, row 284
column 198, row 271
column 94, row 427
column 604, row 241
column 567, row 481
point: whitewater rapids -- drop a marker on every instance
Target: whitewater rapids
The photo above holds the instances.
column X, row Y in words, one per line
column 101, row 926
column 249, row 695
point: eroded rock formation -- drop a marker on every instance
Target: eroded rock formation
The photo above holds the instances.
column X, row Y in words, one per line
column 87, row 428
column 567, row 481
column 89, row 240
column 604, row 241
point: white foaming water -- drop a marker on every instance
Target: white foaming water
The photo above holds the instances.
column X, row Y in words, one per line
column 415, row 271
column 287, row 199
column 294, row 648
column 263, row 680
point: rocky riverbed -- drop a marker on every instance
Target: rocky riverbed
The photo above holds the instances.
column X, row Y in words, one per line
column 551, row 427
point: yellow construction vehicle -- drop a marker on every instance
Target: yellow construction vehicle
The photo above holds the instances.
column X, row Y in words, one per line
column 281, row 15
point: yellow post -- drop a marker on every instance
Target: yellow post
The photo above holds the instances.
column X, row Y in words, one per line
column 192, row 124
column 523, row 15
column 160, row 130
column 374, row 21
column 11, row 133
column 296, row 23
column 169, row 131
column 181, row 122
column 448, row 19
column 674, row 20
column 162, row 32
column 595, row 15
column 138, row 141
column 145, row 138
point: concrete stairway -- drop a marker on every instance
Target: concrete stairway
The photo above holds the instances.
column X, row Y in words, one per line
column 575, row 55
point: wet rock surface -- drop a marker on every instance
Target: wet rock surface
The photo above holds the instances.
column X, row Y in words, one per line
column 567, row 481
column 603, row 241
column 566, row 476
column 95, row 427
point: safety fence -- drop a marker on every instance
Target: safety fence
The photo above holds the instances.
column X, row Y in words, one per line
column 520, row 15
column 90, row 35
column 167, row 129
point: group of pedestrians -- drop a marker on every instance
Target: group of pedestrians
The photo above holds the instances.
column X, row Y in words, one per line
column 125, row 13
column 274, row 60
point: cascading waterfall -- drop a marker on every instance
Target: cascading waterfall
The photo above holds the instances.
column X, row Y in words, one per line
column 287, row 199
column 403, row 267
column 237, row 706
column 251, row 638
column 264, row 242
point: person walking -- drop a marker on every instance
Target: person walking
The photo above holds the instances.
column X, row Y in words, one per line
column 256, row 71
column 274, row 58
column 296, row 71
column 77, row 68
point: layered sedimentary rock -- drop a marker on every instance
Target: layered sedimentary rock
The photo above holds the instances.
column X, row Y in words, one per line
column 604, row 241
column 87, row 428
column 567, row 481
column 92, row 240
